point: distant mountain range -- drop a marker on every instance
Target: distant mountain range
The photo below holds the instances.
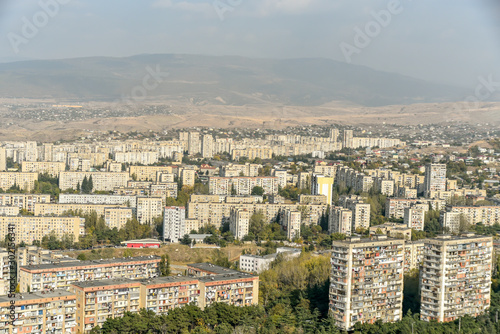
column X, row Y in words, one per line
column 217, row 81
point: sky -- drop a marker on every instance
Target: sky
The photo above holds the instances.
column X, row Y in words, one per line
column 447, row 41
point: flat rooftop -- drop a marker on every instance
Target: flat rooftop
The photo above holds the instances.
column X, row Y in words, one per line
column 90, row 262
column 212, row 268
column 104, row 282
column 168, row 279
column 36, row 295
column 225, row 277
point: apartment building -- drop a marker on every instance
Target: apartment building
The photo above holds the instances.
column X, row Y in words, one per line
column 414, row 216
column 45, row 277
column 251, row 153
column 24, row 201
column 394, row 207
column 9, row 210
column 456, row 277
column 48, row 312
column 487, row 215
column 102, row 299
column 137, row 157
column 149, row 208
column 53, row 168
column 102, row 181
column 256, row 263
column 207, row 146
column 163, row 294
column 31, row 228
column 164, row 190
column 78, row 164
column 25, row 181
column 242, row 185
column 366, row 281
column 360, row 211
column 322, row 185
column 394, row 230
column 110, row 200
column 223, row 285
column 435, row 178
column 174, row 223
column 216, row 213
column 313, row 199
column 340, row 221
column 117, row 217
column 414, row 255
column 188, row 177
column 291, row 221
column 239, row 223
column 147, row 173
column 57, row 209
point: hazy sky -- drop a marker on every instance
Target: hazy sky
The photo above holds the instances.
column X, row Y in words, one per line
column 453, row 41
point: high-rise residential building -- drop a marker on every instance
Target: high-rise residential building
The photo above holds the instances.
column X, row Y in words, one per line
column 31, row 151
column 3, row 159
column 194, row 144
column 149, row 208
column 366, row 281
column 291, row 220
column 340, row 220
column 188, row 177
column 322, row 185
column 348, row 139
column 239, row 223
column 174, row 223
column 334, row 134
column 281, row 174
column 414, row 216
column 101, row 181
column 414, row 254
column 435, row 178
column 456, row 277
column 207, row 146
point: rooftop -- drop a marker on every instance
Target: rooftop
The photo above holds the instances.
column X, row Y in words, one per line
column 90, row 263
column 35, row 296
column 231, row 276
column 104, row 282
column 212, row 268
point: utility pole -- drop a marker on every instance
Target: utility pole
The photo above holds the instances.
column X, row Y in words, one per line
column 459, row 324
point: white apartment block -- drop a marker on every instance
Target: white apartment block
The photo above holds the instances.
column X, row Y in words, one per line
column 25, row 181
column 117, row 217
column 174, row 223
column 121, row 200
column 52, row 168
column 77, row 164
column 188, row 177
column 207, row 146
column 256, row 263
column 456, row 277
column 137, row 157
column 487, row 215
column 281, row 174
column 242, row 185
column 102, row 181
column 340, row 221
column 239, row 223
column 24, row 201
column 31, row 228
column 414, row 216
column 366, row 281
column 435, row 178
column 291, row 221
column 148, row 173
column 47, row 209
column 148, row 208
